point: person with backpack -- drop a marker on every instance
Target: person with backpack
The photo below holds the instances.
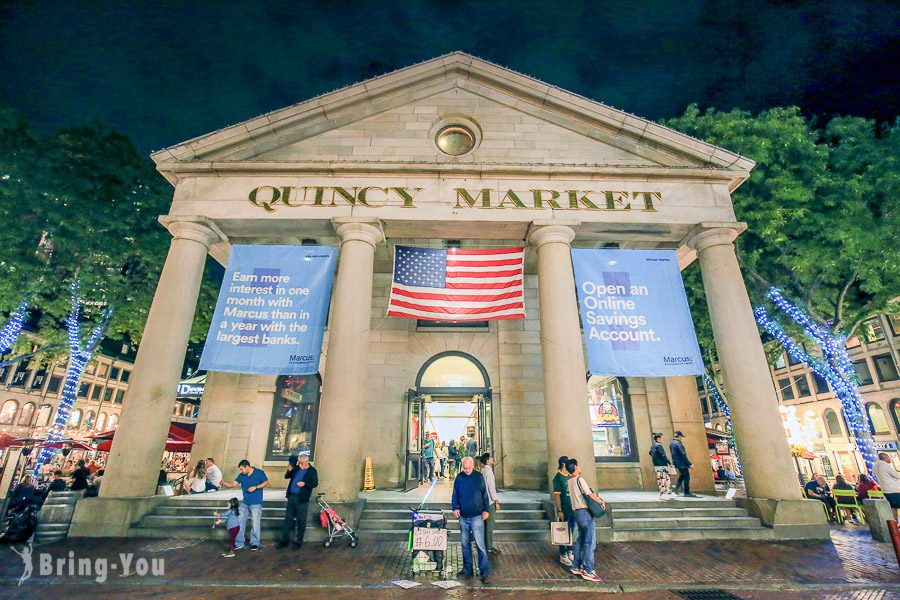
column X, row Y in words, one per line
column 661, row 465
column 579, row 490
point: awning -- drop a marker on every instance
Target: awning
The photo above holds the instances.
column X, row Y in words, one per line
column 182, row 432
column 171, row 446
column 7, row 440
column 60, row 444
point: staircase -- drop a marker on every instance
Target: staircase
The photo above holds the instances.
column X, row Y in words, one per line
column 516, row 521
column 678, row 521
column 189, row 517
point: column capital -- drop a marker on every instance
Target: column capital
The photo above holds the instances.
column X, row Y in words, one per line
column 552, row 231
column 709, row 234
column 199, row 229
column 369, row 231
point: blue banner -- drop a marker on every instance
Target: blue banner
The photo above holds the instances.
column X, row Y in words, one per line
column 635, row 313
column 270, row 317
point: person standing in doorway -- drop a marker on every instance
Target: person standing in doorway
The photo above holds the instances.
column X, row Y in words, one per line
column 583, row 565
column 472, row 446
column 684, row 466
column 564, row 508
column 428, row 457
column 490, row 482
column 440, row 457
column 302, row 479
column 252, row 482
column 452, row 458
column 470, row 505
column 661, row 464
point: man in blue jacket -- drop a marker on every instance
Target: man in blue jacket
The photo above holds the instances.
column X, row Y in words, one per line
column 470, row 505
column 302, row 479
column 681, row 462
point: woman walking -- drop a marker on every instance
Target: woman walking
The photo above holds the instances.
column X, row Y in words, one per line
column 661, row 464
column 583, row 564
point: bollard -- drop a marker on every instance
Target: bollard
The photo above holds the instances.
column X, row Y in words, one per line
column 895, row 538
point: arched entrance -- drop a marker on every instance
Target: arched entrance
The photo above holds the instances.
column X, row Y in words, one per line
column 452, row 399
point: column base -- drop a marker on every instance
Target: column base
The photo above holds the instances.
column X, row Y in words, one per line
column 789, row 519
column 110, row 517
column 878, row 513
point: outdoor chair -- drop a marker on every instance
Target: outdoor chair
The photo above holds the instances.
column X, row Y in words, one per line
column 846, row 500
column 876, row 495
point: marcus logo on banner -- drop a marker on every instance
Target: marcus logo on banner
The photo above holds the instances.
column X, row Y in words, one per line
column 635, row 313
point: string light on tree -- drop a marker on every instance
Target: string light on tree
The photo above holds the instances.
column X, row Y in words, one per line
column 720, row 402
column 10, row 332
column 834, row 366
column 79, row 357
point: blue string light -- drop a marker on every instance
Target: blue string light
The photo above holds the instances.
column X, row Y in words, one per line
column 834, row 366
column 79, row 357
column 720, row 402
column 10, row 332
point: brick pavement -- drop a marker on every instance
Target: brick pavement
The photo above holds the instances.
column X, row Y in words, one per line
column 851, row 566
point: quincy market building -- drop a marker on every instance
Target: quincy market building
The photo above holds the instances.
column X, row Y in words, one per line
column 450, row 152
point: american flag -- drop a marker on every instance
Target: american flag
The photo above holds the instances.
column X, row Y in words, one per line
column 457, row 284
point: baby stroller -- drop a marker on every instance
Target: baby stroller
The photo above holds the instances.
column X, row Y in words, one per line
column 433, row 560
column 337, row 527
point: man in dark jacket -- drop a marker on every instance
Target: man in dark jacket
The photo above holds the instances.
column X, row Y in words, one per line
column 470, row 505
column 302, row 479
column 681, row 462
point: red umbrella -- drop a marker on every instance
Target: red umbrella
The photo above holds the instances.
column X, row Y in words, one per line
column 59, row 444
column 7, row 440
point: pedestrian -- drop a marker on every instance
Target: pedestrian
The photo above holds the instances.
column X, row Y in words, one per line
column 195, row 483
column 213, row 476
column 564, row 507
column 470, row 505
column 58, row 484
column 472, row 446
column 440, row 455
column 79, row 477
column 889, row 479
column 866, row 484
column 583, row 563
column 252, row 482
column 232, row 519
column 302, row 478
column 490, row 482
column 98, row 478
column 428, row 457
column 661, row 465
column 452, row 458
column 684, row 466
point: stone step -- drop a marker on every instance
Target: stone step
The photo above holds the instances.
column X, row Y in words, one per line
column 452, row 525
column 381, row 505
column 685, row 523
column 501, row 535
column 690, row 534
column 668, row 513
column 702, row 503
column 178, row 523
column 504, row 514
column 207, row 511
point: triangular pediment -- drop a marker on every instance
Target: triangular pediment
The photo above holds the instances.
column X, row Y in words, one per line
column 393, row 119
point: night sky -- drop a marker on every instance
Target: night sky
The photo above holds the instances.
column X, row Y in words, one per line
column 164, row 72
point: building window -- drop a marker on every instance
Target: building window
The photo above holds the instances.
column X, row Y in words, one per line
column 101, row 421
column 787, row 392
column 113, row 422
column 793, row 361
column 802, row 386
column 102, row 369
column 701, row 385
column 295, row 416
column 83, row 390
column 611, row 423
column 894, row 320
column 95, row 393
column 114, row 373
column 885, row 367
column 832, row 424
column 862, row 372
column 126, row 375
column 89, row 420
column 877, row 421
column 779, row 362
column 107, row 394
column 43, row 418
column 871, row 330
column 27, row 414
column 895, row 412
column 8, row 412
column 74, row 419
column 826, row 466
column 821, row 384
column 55, row 383
column 120, row 396
column 705, row 404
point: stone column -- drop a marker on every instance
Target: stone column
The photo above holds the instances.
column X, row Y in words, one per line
column 214, row 420
column 758, row 426
column 687, row 417
column 134, row 461
column 339, row 435
column 565, row 387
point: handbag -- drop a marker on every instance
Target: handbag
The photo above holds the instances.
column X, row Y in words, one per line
column 560, row 534
column 672, row 470
column 595, row 508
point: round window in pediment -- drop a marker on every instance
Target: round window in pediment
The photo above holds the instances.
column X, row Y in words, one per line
column 455, row 140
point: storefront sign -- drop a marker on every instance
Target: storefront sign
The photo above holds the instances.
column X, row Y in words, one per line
column 190, row 390
column 886, row 445
column 270, row 198
column 635, row 313
column 722, row 448
column 270, row 316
